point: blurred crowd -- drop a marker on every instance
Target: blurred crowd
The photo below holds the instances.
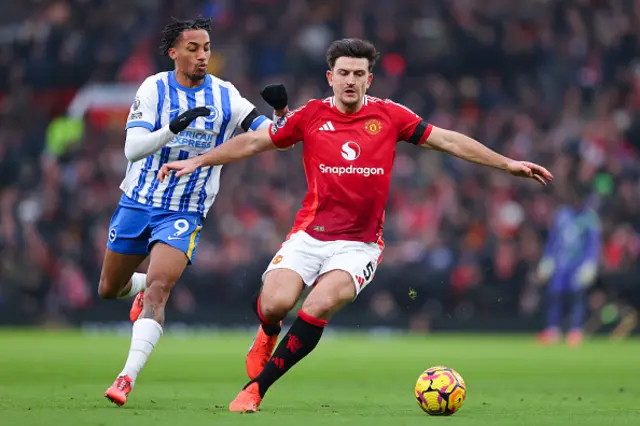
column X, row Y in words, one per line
column 555, row 82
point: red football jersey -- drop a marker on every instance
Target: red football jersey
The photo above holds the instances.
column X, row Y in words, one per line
column 348, row 160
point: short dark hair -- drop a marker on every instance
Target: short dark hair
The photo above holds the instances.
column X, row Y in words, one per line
column 352, row 48
column 172, row 31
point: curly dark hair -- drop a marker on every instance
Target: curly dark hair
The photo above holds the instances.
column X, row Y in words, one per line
column 172, row 31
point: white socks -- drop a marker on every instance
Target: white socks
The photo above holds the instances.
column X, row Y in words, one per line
column 138, row 284
column 146, row 333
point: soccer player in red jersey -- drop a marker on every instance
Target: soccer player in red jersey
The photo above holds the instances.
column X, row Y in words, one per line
column 336, row 242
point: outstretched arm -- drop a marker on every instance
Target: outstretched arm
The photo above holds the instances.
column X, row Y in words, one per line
column 236, row 148
column 285, row 132
column 471, row 150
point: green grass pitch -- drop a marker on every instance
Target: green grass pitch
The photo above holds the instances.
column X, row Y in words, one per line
column 58, row 378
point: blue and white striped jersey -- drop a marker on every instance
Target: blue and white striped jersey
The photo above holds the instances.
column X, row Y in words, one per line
column 161, row 98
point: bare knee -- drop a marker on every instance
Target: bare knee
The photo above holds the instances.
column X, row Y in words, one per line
column 117, row 269
column 275, row 307
column 280, row 293
column 332, row 292
column 108, row 289
column 323, row 306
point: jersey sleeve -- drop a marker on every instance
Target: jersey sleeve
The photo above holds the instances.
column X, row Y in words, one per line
column 410, row 126
column 144, row 110
column 241, row 108
column 288, row 130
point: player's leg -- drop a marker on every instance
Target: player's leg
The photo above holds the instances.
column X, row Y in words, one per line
column 342, row 277
column 578, row 300
column 165, row 267
column 279, row 294
column 170, row 254
column 578, row 311
column 555, row 292
column 126, row 250
column 295, row 265
column 118, row 279
column 179, row 230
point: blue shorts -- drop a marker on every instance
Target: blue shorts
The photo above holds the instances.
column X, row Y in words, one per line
column 135, row 227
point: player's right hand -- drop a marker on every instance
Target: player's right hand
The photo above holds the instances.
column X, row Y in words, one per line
column 530, row 170
column 545, row 270
column 182, row 121
column 183, row 167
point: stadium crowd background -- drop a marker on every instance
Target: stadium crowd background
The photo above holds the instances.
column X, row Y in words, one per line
column 556, row 82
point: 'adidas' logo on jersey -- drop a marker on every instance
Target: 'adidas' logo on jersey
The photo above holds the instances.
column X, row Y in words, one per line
column 328, row 126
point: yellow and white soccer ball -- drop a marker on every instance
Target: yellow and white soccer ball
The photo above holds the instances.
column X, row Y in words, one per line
column 440, row 391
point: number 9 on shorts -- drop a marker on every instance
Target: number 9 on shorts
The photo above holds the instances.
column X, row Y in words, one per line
column 179, row 231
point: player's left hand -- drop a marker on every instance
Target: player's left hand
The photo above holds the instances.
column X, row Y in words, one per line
column 279, row 113
column 183, row 167
column 276, row 96
column 530, row 170
column 587, row 274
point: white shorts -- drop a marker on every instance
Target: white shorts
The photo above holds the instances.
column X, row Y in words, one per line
column 311, row 258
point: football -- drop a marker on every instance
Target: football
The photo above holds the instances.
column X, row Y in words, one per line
column 440, row 391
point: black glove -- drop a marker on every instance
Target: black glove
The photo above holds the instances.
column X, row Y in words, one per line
column 182, row 121
column 275, row 95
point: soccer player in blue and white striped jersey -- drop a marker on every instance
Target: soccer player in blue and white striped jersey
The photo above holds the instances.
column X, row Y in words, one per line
column 176, row 115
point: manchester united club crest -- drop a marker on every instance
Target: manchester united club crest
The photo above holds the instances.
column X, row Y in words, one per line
column 373, row 127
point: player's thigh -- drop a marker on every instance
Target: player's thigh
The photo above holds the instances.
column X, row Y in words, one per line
column 117, row 269
column 126, row 247
column 180, row 231
column 342, row 278
column 166, row 265
column 173, row 242
column 129, row 230
column 301, row 254
column 358, row 260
